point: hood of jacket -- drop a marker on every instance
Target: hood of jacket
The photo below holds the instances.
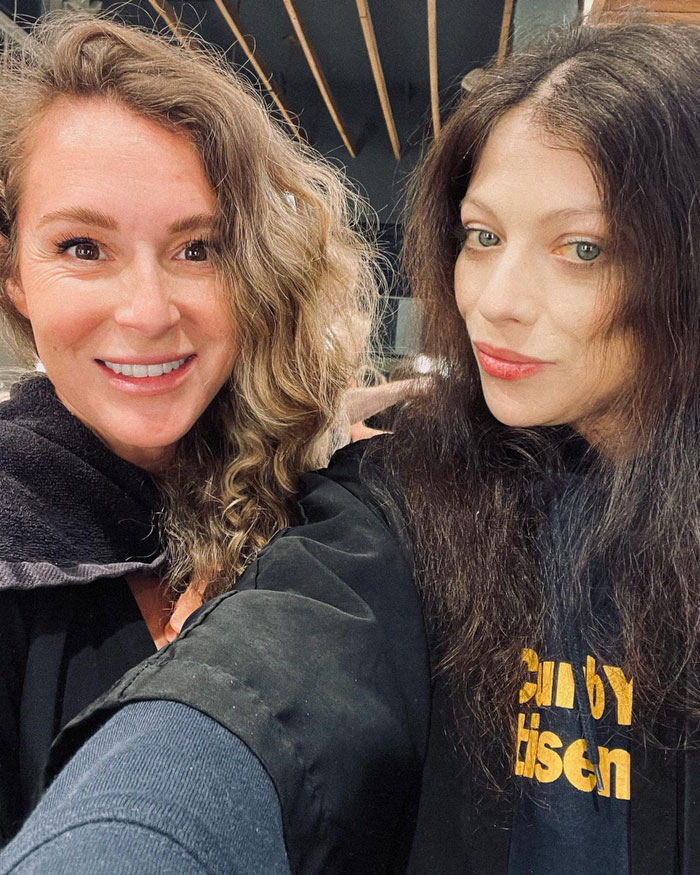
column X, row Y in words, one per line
column 70, row 510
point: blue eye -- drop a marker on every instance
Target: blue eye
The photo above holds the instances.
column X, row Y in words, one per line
column 587, row 251
column 579, row 251
column 480, row 238
column 487, row 238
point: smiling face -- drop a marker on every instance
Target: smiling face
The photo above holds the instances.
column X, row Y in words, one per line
column 128, row 315
column 532, row 287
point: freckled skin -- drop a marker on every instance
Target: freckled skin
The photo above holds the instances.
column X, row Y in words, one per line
column 144, row 296
column 530, row 279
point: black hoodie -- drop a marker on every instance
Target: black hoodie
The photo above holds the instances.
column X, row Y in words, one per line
column 74, row 519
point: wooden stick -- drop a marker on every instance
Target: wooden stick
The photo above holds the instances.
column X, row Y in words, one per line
column 378, row 73
column 169, row 16
column 505, row 28
column 433, row 66
column 231, row 18
column 318, row 74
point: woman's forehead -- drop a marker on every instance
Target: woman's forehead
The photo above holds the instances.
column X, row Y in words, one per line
column 519, row 158
column 85, row 153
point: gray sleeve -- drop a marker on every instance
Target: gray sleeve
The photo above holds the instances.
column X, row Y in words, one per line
column 160, row 789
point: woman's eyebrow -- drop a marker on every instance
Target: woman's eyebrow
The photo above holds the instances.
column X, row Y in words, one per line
column 192, row 223
column 593, row 210
column 585, row 211
column 474, row 202
column 99, row 219
column 79, row 214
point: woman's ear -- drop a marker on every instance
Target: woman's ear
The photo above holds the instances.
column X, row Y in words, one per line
column 17, row 296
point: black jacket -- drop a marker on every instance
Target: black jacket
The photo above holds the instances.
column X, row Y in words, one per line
column 74, row 519
column 318, row 662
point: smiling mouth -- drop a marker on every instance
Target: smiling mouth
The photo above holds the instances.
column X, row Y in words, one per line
column 126, row 369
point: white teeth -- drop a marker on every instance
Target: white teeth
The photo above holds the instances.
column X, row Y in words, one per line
column 145, row 370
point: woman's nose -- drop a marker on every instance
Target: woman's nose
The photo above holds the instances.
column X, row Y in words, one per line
column 148, row 305
column 509, row 292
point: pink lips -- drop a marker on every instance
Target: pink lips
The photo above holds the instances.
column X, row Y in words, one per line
column 505, row 364
column 148, row 385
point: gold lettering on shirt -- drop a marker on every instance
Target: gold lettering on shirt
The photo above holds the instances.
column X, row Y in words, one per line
column 544, row 756
column 565, row 686
column 622, row 688
column 577, row 768
column 619, row 760
column 529, row 688
column 594, row 685
column 549, row 764
column 545, row 684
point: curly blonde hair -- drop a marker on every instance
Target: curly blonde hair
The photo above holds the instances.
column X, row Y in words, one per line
column 288, row 253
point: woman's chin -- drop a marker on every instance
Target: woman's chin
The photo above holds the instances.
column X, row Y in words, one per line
column 516, row 418
column 149, row 448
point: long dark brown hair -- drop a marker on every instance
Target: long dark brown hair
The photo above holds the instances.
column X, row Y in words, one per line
column 627, row 97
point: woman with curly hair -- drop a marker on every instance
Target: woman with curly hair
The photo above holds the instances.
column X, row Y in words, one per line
column 173, row 260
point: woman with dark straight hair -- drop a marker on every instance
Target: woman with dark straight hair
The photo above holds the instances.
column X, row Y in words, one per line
column 547, row 491
column 553, row 504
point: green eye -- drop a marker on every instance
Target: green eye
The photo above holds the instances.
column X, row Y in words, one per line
column 587, row 251
column 487, row 238
column 479, row 238
column 579, row 251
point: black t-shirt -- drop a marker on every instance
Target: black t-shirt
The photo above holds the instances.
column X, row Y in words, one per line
column 571, row 705
column 562, row 823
